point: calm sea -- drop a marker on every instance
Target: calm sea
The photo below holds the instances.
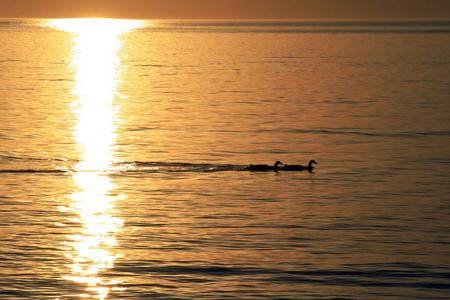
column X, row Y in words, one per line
column 125, row 145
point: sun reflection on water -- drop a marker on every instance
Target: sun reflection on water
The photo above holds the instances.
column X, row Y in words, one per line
column 91, row 248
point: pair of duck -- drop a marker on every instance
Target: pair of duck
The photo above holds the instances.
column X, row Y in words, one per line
column 309, row 167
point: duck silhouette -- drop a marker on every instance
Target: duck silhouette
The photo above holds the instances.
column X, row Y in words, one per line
column 265, row 167
column 309, row 167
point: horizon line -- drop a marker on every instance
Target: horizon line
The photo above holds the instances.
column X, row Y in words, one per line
column 244, row 19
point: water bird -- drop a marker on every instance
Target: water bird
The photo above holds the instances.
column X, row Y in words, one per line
column 265, row 167
column 309, row 167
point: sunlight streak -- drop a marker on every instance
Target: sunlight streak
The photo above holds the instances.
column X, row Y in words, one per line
column 96, row 61
column 91, row 247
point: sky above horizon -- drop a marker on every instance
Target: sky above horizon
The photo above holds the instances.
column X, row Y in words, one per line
column 227, row 9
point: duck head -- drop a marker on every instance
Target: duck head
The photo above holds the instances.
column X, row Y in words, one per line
column 312, row 161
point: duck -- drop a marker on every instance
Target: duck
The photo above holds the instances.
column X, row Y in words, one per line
column 265, row 167
column 309, row 167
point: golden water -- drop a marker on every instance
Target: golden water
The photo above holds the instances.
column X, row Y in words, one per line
column 124, row 145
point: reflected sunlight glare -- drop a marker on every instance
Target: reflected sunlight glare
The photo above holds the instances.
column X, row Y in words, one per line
column 96, row 43
column 96, row 61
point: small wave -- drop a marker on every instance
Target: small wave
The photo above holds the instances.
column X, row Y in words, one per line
column 32, row 171
column 25, row 164
column 24, row 158
column 175, row 167
column 369, row 26
column 373, row 134
column 14, row 164
column 214, row 270
column 359, row 276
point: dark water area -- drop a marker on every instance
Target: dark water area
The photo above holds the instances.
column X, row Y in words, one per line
column 126, row 149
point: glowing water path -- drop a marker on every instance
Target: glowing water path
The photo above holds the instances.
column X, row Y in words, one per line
column 91, row 247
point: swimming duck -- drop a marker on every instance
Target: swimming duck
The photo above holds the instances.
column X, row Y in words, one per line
column 265, row 167
column 300, row 167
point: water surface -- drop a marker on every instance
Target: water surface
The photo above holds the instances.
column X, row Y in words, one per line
column 125, row 146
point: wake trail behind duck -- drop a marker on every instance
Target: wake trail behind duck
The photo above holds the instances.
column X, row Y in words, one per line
column 12, row 164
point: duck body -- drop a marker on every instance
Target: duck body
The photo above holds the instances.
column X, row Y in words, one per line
column 265, row 167
column 309, row 167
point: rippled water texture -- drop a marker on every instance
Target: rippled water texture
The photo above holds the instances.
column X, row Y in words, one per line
column 126, row 145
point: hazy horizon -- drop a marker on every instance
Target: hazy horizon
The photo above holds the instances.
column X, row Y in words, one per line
column 229, row 9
